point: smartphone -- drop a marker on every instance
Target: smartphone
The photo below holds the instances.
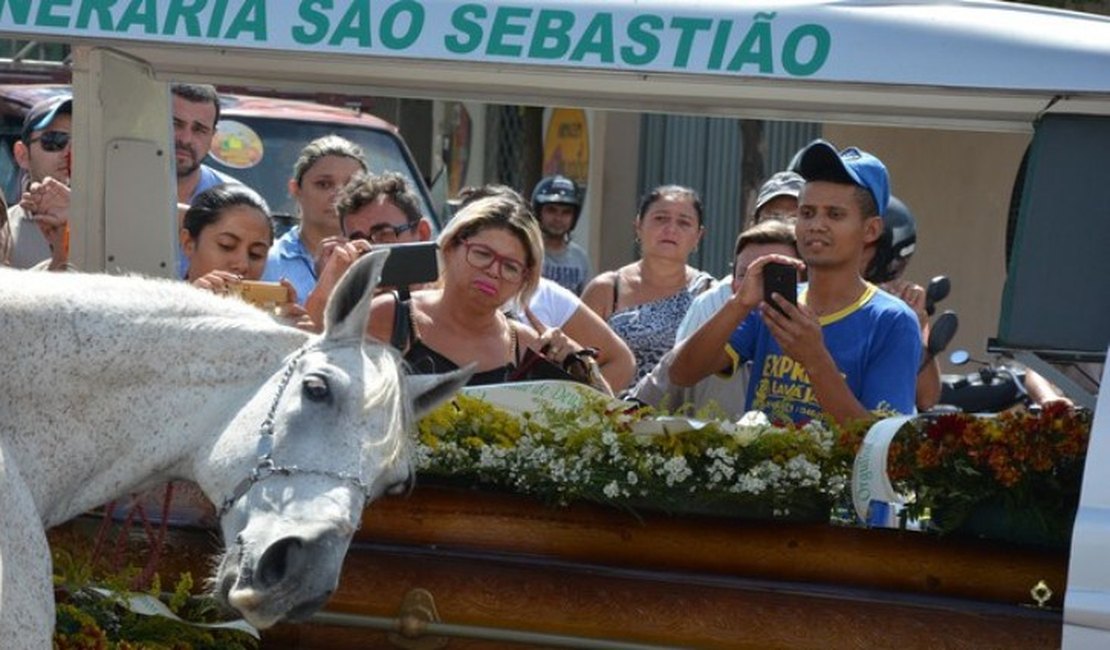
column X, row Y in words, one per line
column 261, row 294
column 781, row 279
column 410, row 264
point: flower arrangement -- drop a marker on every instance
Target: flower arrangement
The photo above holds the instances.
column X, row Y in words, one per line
column 1015, row 476
column 599, row 454
column 959, row 469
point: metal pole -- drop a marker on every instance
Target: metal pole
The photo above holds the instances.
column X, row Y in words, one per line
column 396, row 625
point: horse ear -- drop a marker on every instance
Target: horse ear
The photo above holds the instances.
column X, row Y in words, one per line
column 348, row 310
column 429, row 391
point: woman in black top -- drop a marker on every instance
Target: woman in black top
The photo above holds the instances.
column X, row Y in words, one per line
column 490, row 252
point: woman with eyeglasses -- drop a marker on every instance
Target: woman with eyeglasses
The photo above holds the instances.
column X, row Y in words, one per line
column 491, row 252
column 325, row 165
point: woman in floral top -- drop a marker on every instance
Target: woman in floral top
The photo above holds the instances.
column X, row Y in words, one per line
column 644, row 302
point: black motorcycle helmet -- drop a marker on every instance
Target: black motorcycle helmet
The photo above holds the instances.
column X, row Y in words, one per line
column 557, row 189
column 895, row 246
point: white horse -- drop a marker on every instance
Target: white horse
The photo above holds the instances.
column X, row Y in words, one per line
column 112, row 383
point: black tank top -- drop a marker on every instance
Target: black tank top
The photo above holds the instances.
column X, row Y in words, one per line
column 423, row 360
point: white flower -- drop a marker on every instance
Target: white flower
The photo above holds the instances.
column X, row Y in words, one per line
column 632, row 478
column 754, row 419
column 612, row 490
column 675, row 470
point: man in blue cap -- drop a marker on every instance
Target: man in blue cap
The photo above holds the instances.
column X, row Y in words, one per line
column 42, row 153
column 847, row 348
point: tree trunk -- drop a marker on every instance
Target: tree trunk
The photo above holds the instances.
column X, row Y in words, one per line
column 752, row 173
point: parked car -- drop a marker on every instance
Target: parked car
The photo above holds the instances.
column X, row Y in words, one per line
column 257, row 141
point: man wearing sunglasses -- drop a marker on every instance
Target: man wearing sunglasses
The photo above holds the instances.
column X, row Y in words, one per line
column 42, row 152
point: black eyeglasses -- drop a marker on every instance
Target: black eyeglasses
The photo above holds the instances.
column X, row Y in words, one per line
column 383, row 233
column 51, row 140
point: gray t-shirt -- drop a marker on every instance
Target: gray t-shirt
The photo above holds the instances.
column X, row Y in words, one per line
column 569, row 267
column 29, row 247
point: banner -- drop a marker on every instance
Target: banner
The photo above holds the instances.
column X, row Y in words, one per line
column 960, row 44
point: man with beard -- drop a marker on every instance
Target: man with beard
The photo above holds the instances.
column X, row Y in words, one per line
column 196, row 110
column 557, row 204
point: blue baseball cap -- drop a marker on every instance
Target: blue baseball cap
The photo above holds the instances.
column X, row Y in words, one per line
column 43, row 113
column 821, row 161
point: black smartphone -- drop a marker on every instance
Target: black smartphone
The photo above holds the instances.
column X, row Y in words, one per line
column 781, row 279
column 410, row 264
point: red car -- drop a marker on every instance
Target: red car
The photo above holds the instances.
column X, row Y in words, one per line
column 257, row 141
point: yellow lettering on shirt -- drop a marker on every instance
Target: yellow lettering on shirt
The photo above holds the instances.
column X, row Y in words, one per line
column 785, row 380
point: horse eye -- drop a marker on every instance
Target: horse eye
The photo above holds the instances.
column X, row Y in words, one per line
column 316, row 388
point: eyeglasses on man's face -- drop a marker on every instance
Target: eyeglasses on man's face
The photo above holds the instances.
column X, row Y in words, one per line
column 383, row 233
column 52, row 141
column 482, row 257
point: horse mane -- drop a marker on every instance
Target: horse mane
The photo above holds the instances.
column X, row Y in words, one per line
column 389, row 388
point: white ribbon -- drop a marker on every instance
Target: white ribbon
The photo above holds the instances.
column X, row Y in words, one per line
column 870, row 481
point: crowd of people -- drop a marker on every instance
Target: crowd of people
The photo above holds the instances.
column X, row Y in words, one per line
column 516, row 297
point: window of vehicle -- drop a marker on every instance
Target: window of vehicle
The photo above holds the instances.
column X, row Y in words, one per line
column 281, row 144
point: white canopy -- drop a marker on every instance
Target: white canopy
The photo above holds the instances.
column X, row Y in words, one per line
column 972, row 64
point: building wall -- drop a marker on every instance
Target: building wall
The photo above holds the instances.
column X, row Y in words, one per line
column 957, row 184
column 620, row 166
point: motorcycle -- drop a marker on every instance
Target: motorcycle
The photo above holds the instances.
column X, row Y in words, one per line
column 943, row 329
column 993, row 388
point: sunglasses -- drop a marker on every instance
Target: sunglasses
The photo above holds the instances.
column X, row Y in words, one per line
column 51, row 140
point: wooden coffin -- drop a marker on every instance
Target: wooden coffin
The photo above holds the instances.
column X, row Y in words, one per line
column 496, row 570
column 502, row 561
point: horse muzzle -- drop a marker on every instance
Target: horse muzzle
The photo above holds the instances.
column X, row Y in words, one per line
column 290, row 580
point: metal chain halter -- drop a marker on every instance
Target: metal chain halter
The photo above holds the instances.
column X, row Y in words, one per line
column 265, row 468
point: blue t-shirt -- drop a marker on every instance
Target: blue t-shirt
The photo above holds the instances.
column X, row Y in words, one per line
column 289, row 259
column 875, row 342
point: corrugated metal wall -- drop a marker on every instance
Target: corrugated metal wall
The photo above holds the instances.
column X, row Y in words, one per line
column 704, row 153
column 784, row 139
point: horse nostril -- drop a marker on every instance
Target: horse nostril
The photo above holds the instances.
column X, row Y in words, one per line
column 281, row 558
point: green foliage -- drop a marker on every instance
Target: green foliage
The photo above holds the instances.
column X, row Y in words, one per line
column 87, row 619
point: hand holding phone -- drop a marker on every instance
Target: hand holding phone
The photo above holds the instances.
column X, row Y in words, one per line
column 781, row 279
column 261, row 294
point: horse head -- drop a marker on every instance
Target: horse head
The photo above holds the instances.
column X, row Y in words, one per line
column 326, row 435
